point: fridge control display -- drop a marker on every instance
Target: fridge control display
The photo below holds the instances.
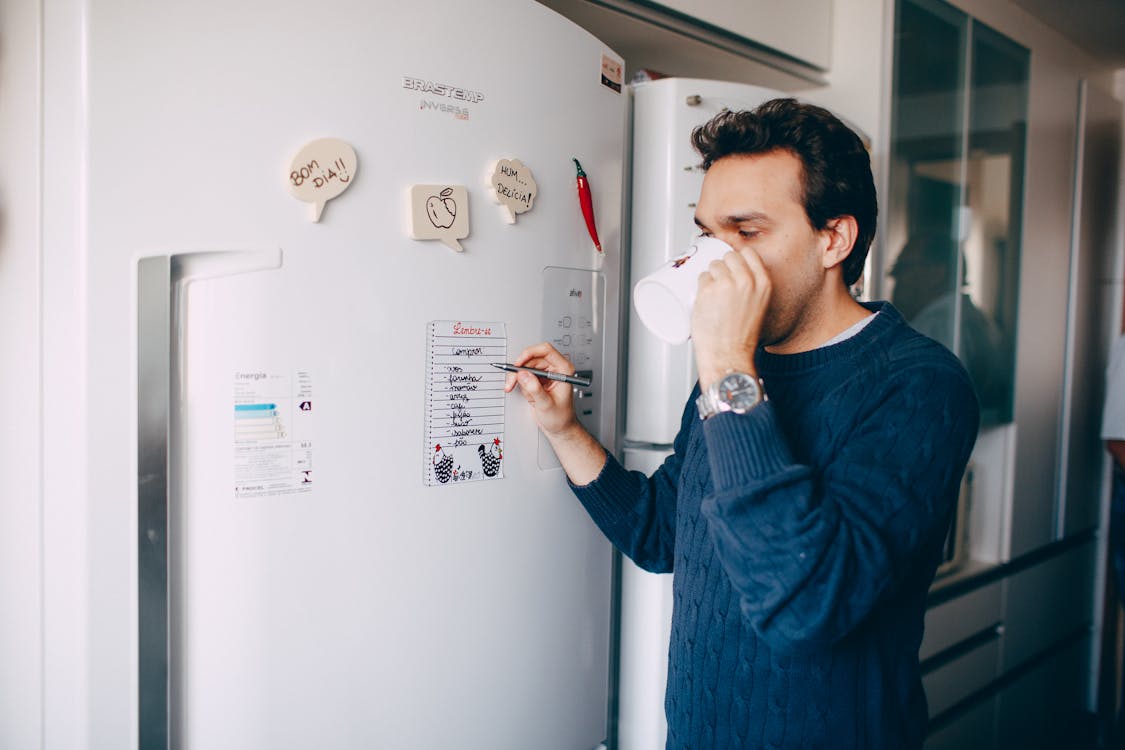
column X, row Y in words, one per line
column 440, row 212
column 321, row 171
column 573, row 310
column 513, row 187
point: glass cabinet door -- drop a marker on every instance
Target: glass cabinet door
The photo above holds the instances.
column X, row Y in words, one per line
column 952, row 232
column 990, row 244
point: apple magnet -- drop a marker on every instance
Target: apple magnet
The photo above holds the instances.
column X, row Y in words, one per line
column 440, row 212
column 513, row 187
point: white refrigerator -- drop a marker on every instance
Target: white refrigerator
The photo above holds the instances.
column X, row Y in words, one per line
column 666, row 179
column 282, row 247
column 302, row 234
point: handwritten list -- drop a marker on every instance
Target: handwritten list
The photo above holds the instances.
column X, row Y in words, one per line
column 464, row 402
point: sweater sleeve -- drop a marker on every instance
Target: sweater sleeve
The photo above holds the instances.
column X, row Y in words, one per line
column 638, row 513
column 812, row 554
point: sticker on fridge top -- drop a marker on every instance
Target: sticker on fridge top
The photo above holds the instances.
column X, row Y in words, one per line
column 320, row 171
column 613, row 72
column 440, row 212
column 513, row 187
column 273, row 440
column 464, row 402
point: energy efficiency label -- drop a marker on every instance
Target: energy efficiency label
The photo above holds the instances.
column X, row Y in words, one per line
column 273, row 443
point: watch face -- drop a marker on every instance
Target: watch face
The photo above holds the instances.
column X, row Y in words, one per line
column 739, row 391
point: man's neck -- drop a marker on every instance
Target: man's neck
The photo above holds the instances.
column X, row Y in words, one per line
column 837, row 313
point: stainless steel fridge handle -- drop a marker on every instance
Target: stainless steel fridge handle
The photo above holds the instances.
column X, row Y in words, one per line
column 161, row 283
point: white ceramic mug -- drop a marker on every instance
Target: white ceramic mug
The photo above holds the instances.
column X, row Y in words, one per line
column 664, row 298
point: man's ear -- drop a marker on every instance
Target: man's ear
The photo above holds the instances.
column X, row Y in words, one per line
column 840, row 233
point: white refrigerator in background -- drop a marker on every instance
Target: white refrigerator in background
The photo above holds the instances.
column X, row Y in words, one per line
column 302, row 234
column 666, row 178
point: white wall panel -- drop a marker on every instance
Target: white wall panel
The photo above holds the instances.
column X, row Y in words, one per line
column 21, row 576
column 1044, row 270
column 1094, row 320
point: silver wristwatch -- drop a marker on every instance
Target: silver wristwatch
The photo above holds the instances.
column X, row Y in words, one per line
column 736, row 392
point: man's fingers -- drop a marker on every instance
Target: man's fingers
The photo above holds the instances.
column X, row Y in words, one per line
column 717, row 270
column 542, row 397
column 543, row 356
column 753, row 263
column 730, row 269
column 535, row 350
column 743, row 268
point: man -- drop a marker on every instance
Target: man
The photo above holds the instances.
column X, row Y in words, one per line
column 805, row 505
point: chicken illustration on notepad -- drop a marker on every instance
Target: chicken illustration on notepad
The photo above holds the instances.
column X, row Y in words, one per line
column 443, row 464
column 490, row 459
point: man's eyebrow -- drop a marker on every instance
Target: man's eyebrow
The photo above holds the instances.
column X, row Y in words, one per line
column 753, row 216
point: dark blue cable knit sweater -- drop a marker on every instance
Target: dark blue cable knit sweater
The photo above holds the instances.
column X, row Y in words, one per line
column 804, row 536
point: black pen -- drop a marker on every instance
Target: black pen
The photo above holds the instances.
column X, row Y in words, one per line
column 572, row 379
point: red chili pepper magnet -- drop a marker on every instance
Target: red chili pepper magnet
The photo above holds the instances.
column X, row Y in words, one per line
column 587, row 202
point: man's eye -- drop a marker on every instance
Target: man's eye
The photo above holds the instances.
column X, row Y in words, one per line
column 748, row 233
column 705, row 233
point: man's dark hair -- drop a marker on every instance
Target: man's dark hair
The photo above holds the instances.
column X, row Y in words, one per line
column 836, row 168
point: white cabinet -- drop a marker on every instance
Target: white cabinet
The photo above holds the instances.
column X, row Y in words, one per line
column 973, row 730
column 1043, row 706
column 955, row 621
column 1047, row 604
column 950, row 683
column 799, row 28
column 960, row 657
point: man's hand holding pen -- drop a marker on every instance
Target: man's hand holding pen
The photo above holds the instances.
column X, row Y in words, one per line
column 552, row 403
column 551, row 400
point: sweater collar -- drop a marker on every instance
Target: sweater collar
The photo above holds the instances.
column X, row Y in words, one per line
column 887, row 319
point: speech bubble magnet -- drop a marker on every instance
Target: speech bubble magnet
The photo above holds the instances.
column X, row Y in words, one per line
column 513, row 186
column 320, row 171
column 440, row 212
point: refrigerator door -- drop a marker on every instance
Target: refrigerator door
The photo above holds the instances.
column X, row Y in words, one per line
column 327, row 587
column 666, row 183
